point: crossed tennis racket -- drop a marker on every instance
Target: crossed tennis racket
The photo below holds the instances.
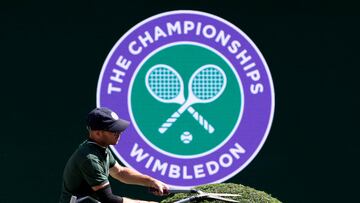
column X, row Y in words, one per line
column 206, row 84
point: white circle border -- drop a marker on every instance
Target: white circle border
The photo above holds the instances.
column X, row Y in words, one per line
column 235, row 28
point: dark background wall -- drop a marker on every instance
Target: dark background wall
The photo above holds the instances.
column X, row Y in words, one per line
column 52, row 54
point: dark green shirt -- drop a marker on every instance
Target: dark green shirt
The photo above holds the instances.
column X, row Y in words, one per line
column 87, row 167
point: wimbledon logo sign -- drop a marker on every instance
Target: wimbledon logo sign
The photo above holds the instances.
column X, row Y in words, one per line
column 198, row 93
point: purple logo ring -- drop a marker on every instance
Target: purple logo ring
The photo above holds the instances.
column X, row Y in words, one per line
column 202, row 28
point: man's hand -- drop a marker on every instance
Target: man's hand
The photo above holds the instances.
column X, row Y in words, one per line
column 158, row 188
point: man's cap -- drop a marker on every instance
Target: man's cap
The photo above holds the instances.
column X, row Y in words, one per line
column 102, row 118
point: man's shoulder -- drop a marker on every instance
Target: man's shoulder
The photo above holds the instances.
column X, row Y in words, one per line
column 89, row 151
column 86, row 152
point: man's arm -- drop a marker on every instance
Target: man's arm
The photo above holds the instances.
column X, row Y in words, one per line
column 131, row 176
column 105, row 194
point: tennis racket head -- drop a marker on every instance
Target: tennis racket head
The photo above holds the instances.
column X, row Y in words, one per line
column 165, row 84
column 207, row 83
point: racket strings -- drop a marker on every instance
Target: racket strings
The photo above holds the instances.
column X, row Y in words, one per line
column 207, row 83
column 164, row 83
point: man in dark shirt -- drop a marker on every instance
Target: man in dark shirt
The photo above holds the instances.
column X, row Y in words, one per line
column 86, row 172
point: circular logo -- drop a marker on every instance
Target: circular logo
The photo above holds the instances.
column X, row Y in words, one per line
column 198, row 93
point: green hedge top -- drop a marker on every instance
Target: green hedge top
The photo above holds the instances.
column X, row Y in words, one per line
column 247, row 194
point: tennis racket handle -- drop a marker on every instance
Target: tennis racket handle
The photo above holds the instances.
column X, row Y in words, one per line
column 201, row 120
column 164, row 127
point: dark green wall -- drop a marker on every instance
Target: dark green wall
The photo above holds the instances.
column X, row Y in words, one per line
column 51, row 57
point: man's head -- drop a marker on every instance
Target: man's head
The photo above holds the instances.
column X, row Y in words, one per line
column 105, row 126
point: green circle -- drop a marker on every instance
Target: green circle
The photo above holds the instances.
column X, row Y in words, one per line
column 149, row 113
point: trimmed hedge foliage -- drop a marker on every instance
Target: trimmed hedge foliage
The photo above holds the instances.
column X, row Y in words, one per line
column 248, row 195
